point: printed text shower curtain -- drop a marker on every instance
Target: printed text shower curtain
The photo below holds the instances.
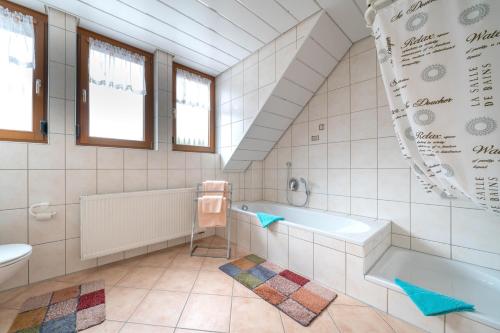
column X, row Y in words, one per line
column 440, row 63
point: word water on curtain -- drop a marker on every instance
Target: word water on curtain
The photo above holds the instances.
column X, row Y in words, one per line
column 440, row 63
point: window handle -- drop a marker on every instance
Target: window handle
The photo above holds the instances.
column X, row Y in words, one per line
column 84, row 95
column 38, row 86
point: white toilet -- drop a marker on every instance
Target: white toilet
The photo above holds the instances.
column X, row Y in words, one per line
column 12, row 258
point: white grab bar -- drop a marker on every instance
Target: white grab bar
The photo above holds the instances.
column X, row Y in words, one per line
column 42, row 215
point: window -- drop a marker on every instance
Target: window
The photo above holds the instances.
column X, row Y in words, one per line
column 194, row 114
column 115, row 85
column 23, row 74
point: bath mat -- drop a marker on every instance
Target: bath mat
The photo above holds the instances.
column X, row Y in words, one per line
column 301, row 299
column 67, row 310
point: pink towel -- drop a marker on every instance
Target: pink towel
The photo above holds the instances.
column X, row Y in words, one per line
column 219, row 187
column 211, row 203
column 207, row 219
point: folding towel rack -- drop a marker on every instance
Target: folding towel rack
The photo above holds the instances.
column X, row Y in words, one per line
column 228, row 195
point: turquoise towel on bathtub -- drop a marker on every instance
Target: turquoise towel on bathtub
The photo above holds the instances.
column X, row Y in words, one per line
column 431, row 303
column 267, row 219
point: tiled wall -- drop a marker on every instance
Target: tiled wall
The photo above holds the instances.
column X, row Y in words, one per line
column 60, row 171
column 354, row 166
column 244, row 88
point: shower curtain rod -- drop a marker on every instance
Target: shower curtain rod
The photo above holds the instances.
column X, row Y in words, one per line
column 372, row 7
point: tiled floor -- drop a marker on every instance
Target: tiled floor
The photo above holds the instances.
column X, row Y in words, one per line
column 169, row 291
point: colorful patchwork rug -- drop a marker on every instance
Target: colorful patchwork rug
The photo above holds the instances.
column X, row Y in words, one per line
column 63, row 311
column 301, row 299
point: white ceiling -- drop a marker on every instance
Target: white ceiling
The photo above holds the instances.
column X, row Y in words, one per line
column 209, row 35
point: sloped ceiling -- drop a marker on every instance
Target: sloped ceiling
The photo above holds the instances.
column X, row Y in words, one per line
column 314, row 59
column 209, row 35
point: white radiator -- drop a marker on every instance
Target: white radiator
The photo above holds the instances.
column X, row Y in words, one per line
column 112, row 223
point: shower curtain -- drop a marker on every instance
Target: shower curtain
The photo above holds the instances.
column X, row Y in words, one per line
column 440, row 64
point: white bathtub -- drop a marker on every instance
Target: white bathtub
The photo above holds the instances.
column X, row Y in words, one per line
column 358, row 230
column 473, row 284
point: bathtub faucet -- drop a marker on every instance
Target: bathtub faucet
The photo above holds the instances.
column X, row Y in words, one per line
column 293, row 185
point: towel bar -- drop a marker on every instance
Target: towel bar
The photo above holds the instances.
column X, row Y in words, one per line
column 193, row 247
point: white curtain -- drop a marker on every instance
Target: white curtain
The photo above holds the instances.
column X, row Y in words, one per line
column 440, row 63
column 192, row 109
column 17, row 61
column 17, row 37
column 116, row 67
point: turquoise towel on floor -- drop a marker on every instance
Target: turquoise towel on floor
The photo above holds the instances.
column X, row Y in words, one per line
column 431, row 303
column 267, row 219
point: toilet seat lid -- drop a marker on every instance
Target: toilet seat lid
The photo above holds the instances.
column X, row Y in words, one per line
column 13, row 252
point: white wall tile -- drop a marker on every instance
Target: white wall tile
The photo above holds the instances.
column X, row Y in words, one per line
column 481, row 236
column 301, row 256
column 318, row 156
column 394, row 184
column 339, row 155
column 364, row 124
column 135, row 159
column 14, row 155
column 14, row 185
column 72, row 221
column 46, row 186
column 339, row 101
column 109, row 181
column 363, row 95
column 430, row 222
column 318, row 107
column 80, row 157
column 364, row 153
column 13, row 226
column 135, row 180
column 78, row 183
column 73, row 259
column 363, row 66
column 278, row 248
column 47, row 156
column 339, row 128
column 364, row 183
column 329, row 267
column 47, row 261
column 339, row 182
column 48, row 231
column 258, row 241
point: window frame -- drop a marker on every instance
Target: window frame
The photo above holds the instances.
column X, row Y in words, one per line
column 39, row 107
column 189, row 148
column 82, row 107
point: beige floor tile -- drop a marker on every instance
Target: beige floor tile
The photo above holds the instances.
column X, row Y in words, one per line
column 7, row 295
column 216, row 283
column 213, row 264
column 206, row 312
column 141, row 277
column 322, row 324
column 75, row 278
column 158, row 259
column 187, row 262
column 176, row 280
column 136, row 328
column 398, row 325
column 107, row 327
column 110, row 274
column 6, row 318
column 122, row 302
column 251, row 315
column 242, row 291
column 183, row 330
column 34, row 290
column 160, row 307
column 347, row 300
column 354, row 319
